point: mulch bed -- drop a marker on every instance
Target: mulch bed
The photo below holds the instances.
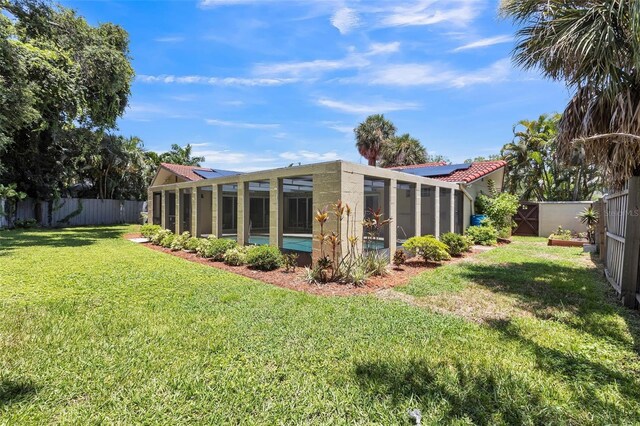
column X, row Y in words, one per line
column 295, row 281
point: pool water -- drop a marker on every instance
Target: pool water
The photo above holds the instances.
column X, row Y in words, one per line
column 301, row 244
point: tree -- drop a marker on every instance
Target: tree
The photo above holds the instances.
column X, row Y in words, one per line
column 437, row 158
column 371, row 135
column 492, row 157
column 61, row 79
column 403, row 151
column 592, row 45
column 535, row 171
column 180, row 155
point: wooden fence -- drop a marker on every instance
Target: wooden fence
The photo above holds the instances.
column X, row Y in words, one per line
column 78, row 212
column 618, row 237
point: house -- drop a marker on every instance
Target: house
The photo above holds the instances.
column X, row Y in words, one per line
column 473, row 178
column 277, row 206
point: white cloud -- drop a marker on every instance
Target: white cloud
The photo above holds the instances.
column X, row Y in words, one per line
column 353, row 60
column 498, row 71
column 213, row 81
column 345, row 19
column 371, row 108
column 382, row 48
column 310, row 156
column 339, row 127
column 430, row 12
column 438, row 75
column 240, row 124
column 169, row 39
column 485, row 42
column 317, row 66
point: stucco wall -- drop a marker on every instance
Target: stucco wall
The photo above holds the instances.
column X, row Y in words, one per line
column 480, row 186
column 560, row 213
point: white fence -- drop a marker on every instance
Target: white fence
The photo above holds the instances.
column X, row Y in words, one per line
column 619, row 237
column 615, row 221
column 78, row 212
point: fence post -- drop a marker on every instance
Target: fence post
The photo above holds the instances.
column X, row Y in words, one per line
column 629, row 285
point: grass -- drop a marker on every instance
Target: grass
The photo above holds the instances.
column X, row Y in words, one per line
column 96, row 329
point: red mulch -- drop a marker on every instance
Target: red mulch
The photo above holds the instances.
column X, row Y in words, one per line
column 295, row 281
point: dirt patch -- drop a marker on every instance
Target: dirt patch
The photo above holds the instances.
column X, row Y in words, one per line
column 475, row 304
column 295, row 280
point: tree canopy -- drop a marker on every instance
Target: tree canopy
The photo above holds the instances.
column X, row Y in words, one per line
column 403, row 151
column 371, row 135
column 536, row 172
column 63, row 83
column 594, row 47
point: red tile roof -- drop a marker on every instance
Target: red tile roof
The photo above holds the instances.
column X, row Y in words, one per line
column 474, row 172
column 186, row 172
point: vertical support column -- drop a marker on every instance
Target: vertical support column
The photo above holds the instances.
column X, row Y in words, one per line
column 243, row 213
column 178, row 226
column 216, row 210
column 194, row 211
column 330, row 184
column 276, row 212
column 631, row 256
column 417, row 208
column 452, row 211
column 150, row 207
column 391, row 211
column 163, row 213
column 436, row 211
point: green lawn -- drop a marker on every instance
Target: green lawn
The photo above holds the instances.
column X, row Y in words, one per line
column 96, row 329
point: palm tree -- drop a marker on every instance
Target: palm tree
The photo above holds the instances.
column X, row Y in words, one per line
column 371, row 135
column 179, row 155
column 403, row 151
column 593, row 45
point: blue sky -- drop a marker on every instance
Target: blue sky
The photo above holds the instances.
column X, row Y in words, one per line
column 259, row 84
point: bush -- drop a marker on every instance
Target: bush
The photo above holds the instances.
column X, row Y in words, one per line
column 428, row 247
column 149, row 231
column 399, row 258
column 159, row 236
column 236, row 256
column 168, row 240
column 179, row 241
column 456, row 243
column 25, row 223
column 264, row 258
column 290, row 262
column 215, row 248
column 374, row 263
column 192, row 244
column 483, row 235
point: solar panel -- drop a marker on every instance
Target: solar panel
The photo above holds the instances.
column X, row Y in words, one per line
column 210, row 174
column 436, row 170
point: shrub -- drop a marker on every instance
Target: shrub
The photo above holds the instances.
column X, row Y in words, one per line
column 215, row 248
column 168, row 240
column 456, row 243
column 148, row 231
column 399, row 258
column 374, row 263
column 428, row 247
column 357, row 275
column 179, row 241
column 483, row 235
column 159, row 236
column 290, row 262
column 25, row 223
column 192, row 244
column 236, row 256
column 264, row 258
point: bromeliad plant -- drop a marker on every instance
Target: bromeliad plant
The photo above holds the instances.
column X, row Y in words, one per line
column 354, row 265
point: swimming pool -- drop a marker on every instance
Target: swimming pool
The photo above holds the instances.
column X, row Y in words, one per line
column 301, row 243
